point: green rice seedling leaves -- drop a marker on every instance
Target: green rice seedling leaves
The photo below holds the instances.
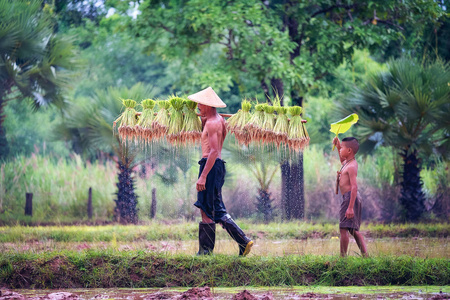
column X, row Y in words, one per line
column 297, row 137
column 127, row 121
column 174, row 132
column 254, row 126
column 160, row 124
column 343, row 125
column 236, row 124
column 144, row 128
column 281, row 128
column 192, row 126
column 268, row 135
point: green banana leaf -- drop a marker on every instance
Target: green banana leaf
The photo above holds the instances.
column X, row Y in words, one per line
column 343, row 125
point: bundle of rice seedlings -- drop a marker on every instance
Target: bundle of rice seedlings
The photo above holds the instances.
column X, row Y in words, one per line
column 144, row 128
column 268, row 135
column 127, row 121
column 281, row 128
column 236, row 123
column 296, row 138
column 305, row 133
column 192, row 126
column 174, row 133
column 160, row 124
column 254, row 125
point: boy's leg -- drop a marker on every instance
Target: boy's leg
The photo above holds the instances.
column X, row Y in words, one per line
column 359, row 238
column 344, row 241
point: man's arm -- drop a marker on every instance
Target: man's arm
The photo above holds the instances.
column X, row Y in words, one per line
column 352, row 173
column 213, row 139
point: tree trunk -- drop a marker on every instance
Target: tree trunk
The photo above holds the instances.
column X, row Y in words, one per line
column 264, row 204
column 89, row 204
column 266, row 90
column 292, row 188
column 297, row 195
column 126, row 201
column 4, row 148
column 153, row 205
column 28, row 204
column 285, row 195
column 412, row 197
column 278, row 88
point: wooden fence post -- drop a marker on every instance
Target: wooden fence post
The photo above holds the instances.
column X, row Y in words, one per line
column 29, row 204
column 153, row 206
column 89, row 204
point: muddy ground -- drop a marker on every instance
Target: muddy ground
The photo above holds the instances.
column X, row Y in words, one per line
column 205, row 293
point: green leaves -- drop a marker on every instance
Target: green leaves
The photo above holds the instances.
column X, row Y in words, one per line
column 343, row 125
column 406, row 105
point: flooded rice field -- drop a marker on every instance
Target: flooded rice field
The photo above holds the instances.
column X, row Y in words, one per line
column 416, row 247
column 239, row 293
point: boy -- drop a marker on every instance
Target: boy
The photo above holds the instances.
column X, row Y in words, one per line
column 350, row 212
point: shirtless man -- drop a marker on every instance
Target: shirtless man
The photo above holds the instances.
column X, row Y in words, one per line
column 212, row 177
column 350, row 212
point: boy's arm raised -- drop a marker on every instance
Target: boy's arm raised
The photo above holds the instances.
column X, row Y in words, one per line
column 352, row 173
column 338, row 146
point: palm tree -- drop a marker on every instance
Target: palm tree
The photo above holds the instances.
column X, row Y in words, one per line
column 406, row 107
column 34, row 62
column 263, row 165
column 88, row 126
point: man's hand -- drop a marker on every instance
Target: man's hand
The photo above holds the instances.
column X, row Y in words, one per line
column 349, row 214
column 201, row 184
column 336, row 142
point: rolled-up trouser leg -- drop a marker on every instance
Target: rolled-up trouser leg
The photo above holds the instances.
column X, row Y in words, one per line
column 237, row 234
column 206, row 238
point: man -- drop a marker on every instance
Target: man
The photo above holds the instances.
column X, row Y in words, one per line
column 212, row 177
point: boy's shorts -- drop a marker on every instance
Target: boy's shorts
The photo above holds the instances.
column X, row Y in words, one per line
column 354, row 222
column 210, row 200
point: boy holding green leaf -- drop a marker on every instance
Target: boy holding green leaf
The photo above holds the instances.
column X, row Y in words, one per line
column 350, row 212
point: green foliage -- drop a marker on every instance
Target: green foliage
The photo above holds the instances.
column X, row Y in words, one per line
column 406, row 107
column 408, row 104
column 114, row 58
column 35, row 63
column 275, row 41
column 23, row 134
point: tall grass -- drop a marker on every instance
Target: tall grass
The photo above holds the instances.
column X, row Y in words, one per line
column 60, row 188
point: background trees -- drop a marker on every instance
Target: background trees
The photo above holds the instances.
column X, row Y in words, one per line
column 407, row 108
column 279, row 47
column 314, row 53
column 34, row 62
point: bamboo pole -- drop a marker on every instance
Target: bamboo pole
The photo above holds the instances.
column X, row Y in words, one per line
column 138, row 113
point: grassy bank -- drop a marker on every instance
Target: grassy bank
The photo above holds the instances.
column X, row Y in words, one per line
column 102, row 269
column 189, row 230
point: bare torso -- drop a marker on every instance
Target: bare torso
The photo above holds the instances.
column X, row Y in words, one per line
column 211, row 125
column 344, row 181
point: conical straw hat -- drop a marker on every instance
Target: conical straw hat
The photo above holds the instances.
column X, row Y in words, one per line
column 207, row 97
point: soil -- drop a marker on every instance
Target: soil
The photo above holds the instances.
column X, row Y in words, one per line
column 202, row 293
